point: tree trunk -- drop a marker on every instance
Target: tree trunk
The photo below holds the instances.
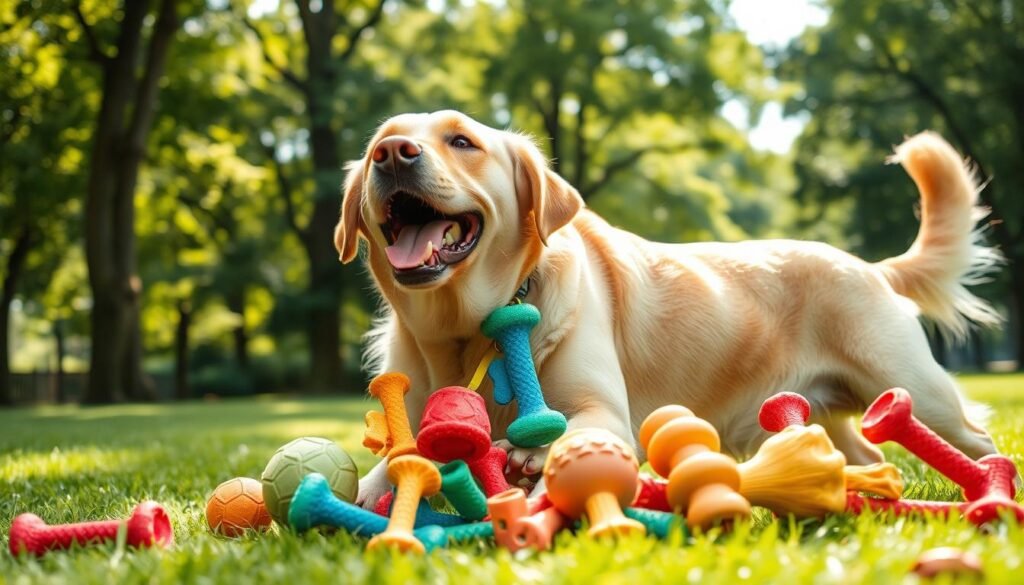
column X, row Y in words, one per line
column 58, row 337
column 115, row 368
column 15, row 265
column 324, row 291
column 1017, row 311
column 235, row 301
column 181, row 384
column 978, row 351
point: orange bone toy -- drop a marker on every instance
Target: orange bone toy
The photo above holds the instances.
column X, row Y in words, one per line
column 593, row 471
column 389, row 435
column 415, row 478
column 702, row 483
column 515, row 527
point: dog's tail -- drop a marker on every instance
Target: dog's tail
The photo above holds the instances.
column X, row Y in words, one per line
column 948, row 254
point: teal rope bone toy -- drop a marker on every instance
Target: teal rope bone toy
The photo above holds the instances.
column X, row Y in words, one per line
column 514, row 376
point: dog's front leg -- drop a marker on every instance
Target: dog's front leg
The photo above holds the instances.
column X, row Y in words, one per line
column 583, row 380
column 373, row 485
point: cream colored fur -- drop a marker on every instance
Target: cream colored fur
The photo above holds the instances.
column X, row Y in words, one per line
column 630, row 325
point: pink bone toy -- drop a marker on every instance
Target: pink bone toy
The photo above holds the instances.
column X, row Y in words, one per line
column 147, row 526
column 987, row 483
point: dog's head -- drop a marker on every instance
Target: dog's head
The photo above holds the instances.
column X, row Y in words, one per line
column 448, row 203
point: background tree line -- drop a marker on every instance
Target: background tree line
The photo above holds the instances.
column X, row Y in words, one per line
column 170, row 169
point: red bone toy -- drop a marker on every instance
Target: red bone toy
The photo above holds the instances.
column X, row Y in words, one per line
column 148, row 525
column 987, row 482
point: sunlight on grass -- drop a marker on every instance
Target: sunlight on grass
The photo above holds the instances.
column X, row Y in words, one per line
column 59, row 464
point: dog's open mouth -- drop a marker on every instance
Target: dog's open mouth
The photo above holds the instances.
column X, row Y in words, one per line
column 423, row 241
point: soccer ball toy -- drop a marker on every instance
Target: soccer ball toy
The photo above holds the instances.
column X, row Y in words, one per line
column 235, row 506
column 302, row 456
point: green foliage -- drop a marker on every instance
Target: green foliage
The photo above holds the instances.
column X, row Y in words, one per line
column 66, row 472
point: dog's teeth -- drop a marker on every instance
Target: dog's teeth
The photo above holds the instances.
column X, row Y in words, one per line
column 428, row 253
column 454, row 234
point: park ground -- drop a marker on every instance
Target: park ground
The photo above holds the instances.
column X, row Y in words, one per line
column 68, row 464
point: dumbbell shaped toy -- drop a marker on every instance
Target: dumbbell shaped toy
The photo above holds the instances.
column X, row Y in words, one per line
column 314, row 504
column 702, row 482
column 987, row 483
column 148, row 526
column 514, row 376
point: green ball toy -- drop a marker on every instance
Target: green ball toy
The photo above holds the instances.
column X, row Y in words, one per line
column 302, row 456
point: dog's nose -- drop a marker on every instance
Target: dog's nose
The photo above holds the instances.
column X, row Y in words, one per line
column 399, row 149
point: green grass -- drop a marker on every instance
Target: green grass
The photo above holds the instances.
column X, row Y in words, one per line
column 70, row 464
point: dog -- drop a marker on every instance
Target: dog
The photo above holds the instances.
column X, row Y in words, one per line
column 457, row 216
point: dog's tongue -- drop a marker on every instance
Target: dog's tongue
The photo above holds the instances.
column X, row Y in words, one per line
column 413, row 247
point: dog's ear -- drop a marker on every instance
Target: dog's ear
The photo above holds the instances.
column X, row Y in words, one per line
column 552, row 199
column 350, row 227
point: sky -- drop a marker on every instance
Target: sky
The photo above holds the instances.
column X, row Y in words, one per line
column 772, row 23
column 767, row 23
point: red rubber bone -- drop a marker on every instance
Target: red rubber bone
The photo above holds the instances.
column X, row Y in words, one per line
column 987, row 483
column 147, row 526
column 856, row 503
column 783, row 410
column 489, row 470
column 454, row 426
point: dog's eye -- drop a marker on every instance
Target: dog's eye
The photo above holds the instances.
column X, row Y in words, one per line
column 460, row 141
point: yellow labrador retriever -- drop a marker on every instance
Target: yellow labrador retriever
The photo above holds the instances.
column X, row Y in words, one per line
column 458, row 215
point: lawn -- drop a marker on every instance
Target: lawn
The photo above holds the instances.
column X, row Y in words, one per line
column 70, row 464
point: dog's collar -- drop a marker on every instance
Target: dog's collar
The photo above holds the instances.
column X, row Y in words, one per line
column 521, row 292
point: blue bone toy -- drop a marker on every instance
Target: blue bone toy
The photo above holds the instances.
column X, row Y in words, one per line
column 515, row 376
column 314, row 504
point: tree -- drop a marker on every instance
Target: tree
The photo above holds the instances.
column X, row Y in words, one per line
column 41, row 123
column 330, row 40
column 878, row 71
column 129, row 100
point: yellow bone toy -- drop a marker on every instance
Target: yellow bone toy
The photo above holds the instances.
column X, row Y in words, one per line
column 799, row 471
column 415, row 477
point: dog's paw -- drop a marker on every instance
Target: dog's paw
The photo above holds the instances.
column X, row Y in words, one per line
column 524, row 465
column 371, row 489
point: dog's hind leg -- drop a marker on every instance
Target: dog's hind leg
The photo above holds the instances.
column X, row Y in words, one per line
column 904, row 360
column 843, row 431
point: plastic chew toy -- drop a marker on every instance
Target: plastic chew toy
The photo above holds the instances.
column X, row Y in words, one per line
column 489, row 470
column 517, row 526
column 300, row 457
column 702, row 483
column 314, row 504
column 987, row 483
column 593, row 471
column 414, row 477
column 397, row 439
column 147, row 526
column 656, row 522
column 425, row 514
column 790, row 410
column 651, row 495
column 799, row 471
column 235, row 506
column 454, row 426
column 857, row 503
column 458, row 486
column 515, row 376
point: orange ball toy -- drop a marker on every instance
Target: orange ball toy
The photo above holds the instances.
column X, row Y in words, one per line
column 236, row 506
